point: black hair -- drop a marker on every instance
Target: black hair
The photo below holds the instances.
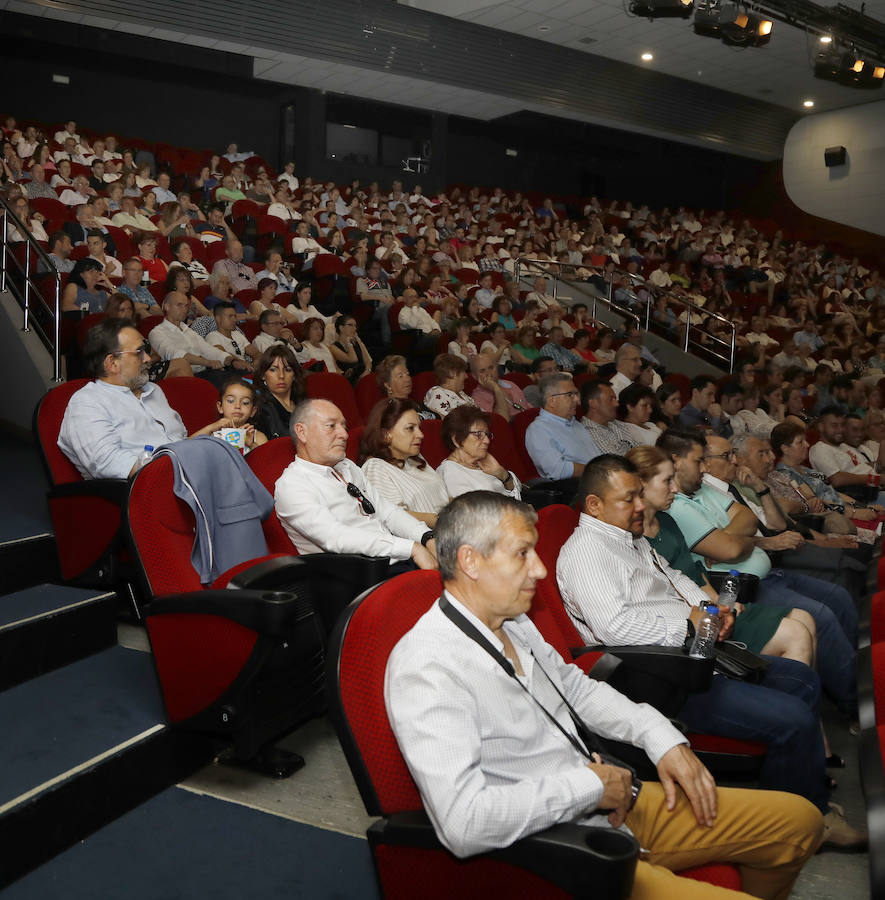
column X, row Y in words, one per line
column 597, row 475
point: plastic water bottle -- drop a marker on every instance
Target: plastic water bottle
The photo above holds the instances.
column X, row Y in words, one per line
column 706, row 632
column 731, row 588
column 144, row 457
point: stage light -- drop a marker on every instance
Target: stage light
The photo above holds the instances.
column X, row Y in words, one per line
column 826, row 39
column 662, row 9
column 847, row 68
column 744, row 28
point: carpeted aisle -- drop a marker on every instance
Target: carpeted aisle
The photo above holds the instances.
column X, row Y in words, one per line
column 185, row 846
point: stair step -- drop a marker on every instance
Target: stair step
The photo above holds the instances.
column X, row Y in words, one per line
column 84, row 744
column 184, row 844
column 48, row 626
column 25, row 561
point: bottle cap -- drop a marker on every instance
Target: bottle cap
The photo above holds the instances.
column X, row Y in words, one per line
column 712, row 609
column 734, row 572
column 149, row 448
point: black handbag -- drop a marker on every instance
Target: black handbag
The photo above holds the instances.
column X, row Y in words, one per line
column 738, row 663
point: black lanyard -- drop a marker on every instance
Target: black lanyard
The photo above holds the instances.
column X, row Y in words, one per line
column 588, row 744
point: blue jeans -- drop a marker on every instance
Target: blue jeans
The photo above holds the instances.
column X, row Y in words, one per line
column 781, row 712
column 835, row 616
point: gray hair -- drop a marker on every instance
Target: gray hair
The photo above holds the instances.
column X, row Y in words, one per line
column 549, row 384
column 214, row 280
column 301, row 415
column 622, row 351
column 474, row 519
column 739, row 442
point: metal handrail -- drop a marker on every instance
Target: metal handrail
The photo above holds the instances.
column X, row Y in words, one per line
column 692, row 307
column 543, row 265
column 53, row 343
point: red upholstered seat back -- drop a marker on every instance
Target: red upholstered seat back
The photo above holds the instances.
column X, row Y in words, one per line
column 268, row 462
column 354, row 436
column 422, row 382
column 519, row 424
column 370, row 635
column 504, row 449
column 49, row 416
column 878, row 663
column 193, row 399
column 336, row 389
column 367, row 394
column 162, row 529
column 432, row 447
column 555, row 525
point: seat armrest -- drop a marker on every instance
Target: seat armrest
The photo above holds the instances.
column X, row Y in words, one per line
column 582, row 860
column 671, row 664
column 267, row 612
column 866, row 688
column 115, row 490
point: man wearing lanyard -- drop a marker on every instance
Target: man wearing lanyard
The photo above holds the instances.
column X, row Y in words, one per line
column 498, row 732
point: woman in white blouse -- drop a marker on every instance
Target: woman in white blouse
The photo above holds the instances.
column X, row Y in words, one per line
column 312, row 346
column 390, row 453
column 448, row 393
column 636, row 403
column 301, row 309
column 467, row 433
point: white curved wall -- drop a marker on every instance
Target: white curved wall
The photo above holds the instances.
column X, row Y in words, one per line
column 853, row 194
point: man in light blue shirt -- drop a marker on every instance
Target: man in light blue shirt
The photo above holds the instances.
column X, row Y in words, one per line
column 559, row 445
column 109, row 422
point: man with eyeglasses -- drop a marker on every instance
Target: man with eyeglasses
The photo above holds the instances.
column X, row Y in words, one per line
column 559, row 445
column 326, row 505
column 138, row 293
column 722, row 535
column 109, row 421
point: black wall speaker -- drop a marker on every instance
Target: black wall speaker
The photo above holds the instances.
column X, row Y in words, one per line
column 834, row 156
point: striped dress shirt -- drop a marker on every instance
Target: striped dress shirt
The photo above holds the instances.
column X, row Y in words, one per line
column 617, row 591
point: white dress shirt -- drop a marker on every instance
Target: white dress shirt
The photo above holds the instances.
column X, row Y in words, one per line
column 319, row 515
column 615, row 593
column 106, row 427
column 418, row 318
column 175, row 341
column 461, row 480
column 490, row 766
column 236, row 341
column 618, row 382
column 410, row 488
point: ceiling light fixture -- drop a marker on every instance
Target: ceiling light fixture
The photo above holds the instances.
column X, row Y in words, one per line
column 826, row 39
column 647, row 57
column 808, row 104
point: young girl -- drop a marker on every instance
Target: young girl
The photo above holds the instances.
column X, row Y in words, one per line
column 236, row 403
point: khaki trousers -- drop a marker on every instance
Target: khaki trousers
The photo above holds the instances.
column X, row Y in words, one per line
column 769, row 835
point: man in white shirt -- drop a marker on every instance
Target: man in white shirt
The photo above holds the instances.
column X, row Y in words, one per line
column 325, row 503
column 274, row 331
column 304, row 243
column 172, row 339
column 415, row 317
column 228, row 337
column 274, row 268
column 97, row 243
column 628, row 365
column 288, row 175
column 79, row 193
column 388, row 248
column 601, row 407
column 661, row 276
column 492, row 767
column 843, row 465
column 108, row 422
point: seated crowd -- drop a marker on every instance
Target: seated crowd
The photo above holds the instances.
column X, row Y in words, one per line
column 676, row 480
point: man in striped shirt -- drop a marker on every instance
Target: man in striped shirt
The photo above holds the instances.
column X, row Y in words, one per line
column 618, row 591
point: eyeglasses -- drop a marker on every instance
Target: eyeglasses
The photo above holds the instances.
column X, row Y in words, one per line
column 366, row 505
column 482, row 434
column 566, row 394
column 727, row 455
column 145, row 348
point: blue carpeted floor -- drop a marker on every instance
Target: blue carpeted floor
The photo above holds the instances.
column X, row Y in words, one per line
column 185, row 846
column 23, row 488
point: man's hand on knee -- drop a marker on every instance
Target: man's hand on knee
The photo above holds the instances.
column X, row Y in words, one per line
column 680, row 766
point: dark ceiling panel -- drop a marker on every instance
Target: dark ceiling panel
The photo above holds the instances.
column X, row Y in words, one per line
column 383, row 36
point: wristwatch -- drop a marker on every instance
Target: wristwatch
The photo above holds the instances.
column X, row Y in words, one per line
column 763, row 492
column 427, row 536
